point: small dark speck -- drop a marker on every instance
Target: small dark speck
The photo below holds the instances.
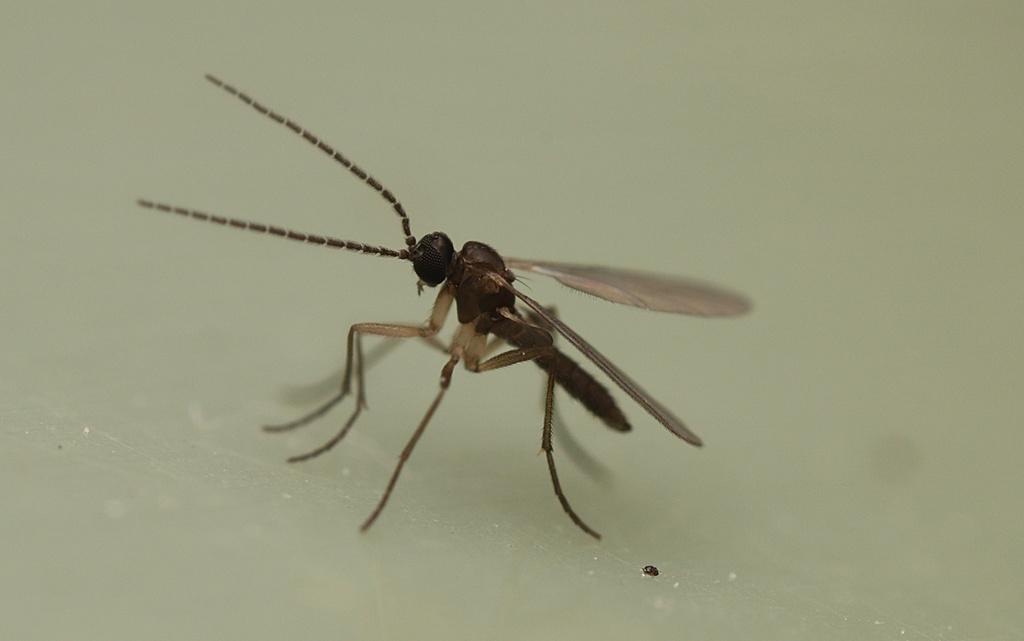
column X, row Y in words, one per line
column 60, row 447
column 650, row 570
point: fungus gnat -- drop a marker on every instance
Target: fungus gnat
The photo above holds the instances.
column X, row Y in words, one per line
column 479, row 282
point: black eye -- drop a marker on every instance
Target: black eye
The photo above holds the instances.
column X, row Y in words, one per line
column 431, row 258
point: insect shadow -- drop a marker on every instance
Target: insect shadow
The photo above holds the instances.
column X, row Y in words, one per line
column 479, row 282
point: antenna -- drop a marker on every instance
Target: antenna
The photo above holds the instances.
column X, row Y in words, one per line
column 314, row 140
column 259, row 228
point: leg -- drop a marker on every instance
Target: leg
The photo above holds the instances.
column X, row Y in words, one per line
column 504, row 359
column 591, row 466
column 512, row 357
column 354, row 342
column 576, row 452
column 446, row 379
column 441, row 307
column 545, row 444
column 464, row 336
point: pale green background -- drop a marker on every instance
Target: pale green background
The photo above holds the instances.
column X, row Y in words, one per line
column 857, row 171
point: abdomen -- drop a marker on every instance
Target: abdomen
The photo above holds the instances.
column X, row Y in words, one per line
column 568, row 374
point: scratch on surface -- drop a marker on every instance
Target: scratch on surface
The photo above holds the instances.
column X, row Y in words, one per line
column 142, row 453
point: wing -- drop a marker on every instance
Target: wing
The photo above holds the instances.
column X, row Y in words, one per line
column 640, row 289
column 651, row 406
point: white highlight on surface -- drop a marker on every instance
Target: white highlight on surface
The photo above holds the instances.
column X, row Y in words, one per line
column 115, row 508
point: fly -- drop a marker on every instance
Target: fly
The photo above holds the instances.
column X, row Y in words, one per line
column 479, row 282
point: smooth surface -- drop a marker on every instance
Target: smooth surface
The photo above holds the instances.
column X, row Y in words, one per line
column 856, row 173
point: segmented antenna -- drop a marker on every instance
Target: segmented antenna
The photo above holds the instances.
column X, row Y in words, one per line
column 356, row 170
column 312, row 239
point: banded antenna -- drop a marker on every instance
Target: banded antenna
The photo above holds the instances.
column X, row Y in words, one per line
column 313, row 239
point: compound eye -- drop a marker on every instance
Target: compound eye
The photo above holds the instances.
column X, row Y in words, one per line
column 431, row 258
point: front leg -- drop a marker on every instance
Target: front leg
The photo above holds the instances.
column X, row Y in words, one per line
column 354, row 360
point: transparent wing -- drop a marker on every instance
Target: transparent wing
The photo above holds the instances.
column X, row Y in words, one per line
column 625, row 383
column 640, row 289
